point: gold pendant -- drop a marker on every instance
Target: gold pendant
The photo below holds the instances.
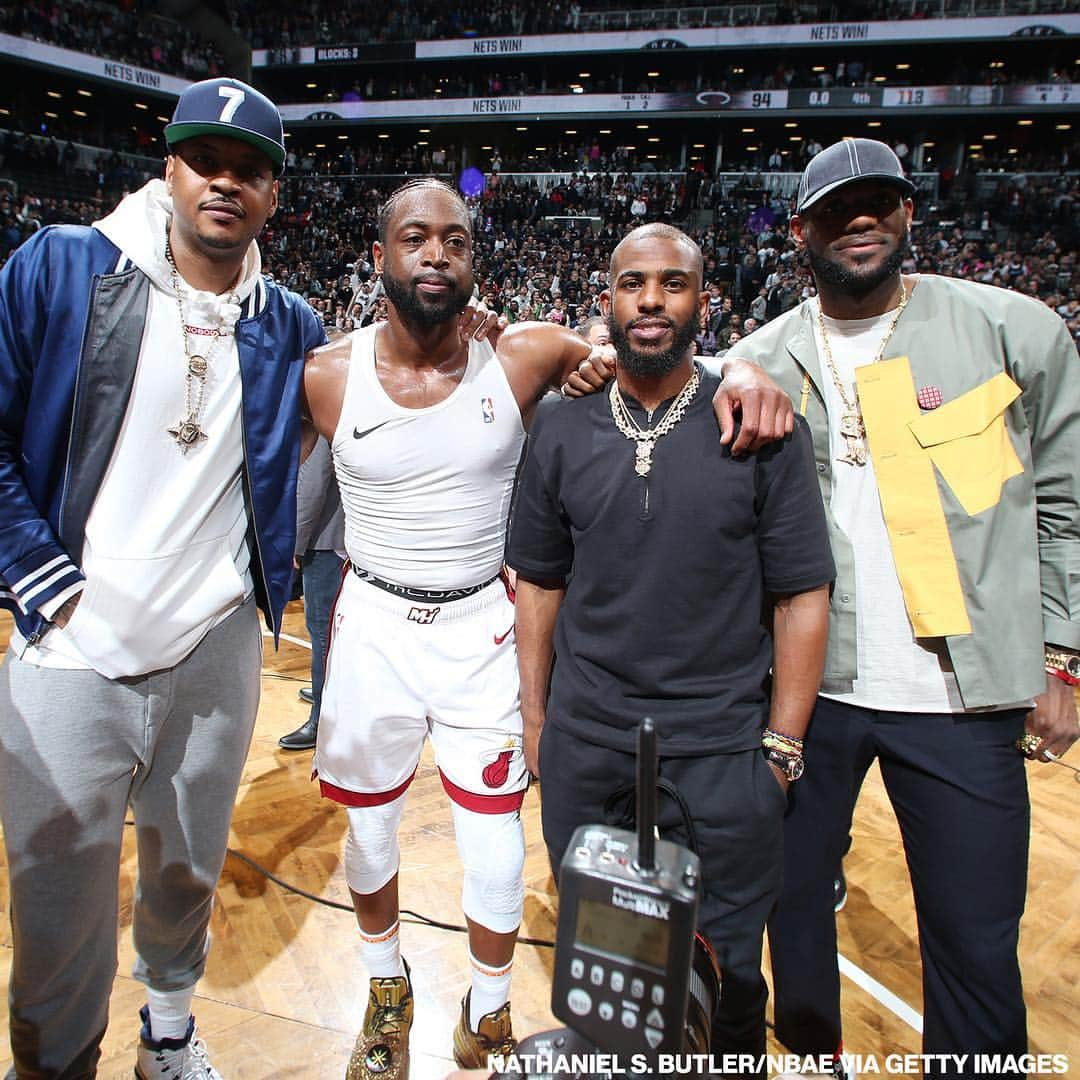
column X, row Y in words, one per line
column 643, row 457
column 197, row 366
column 187, row 433
column 853, row 432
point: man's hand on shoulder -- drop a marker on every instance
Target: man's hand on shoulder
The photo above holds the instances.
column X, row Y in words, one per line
column 765, row 411
column 479, row 321
column 592, row 374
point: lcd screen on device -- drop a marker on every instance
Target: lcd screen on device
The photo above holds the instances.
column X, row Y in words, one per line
column 623, row 934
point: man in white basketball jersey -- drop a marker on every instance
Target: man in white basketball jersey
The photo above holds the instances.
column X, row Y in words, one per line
column 426, row 431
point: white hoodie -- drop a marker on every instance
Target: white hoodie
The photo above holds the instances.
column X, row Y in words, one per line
column 165, row 556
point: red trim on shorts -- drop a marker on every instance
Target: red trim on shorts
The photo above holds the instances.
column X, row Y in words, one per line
column 482, row 804
column 363, row 798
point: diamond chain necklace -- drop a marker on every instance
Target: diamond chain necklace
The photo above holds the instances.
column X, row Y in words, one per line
column 646, row 438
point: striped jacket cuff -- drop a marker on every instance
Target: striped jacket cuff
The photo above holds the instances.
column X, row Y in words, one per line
column 40, row 578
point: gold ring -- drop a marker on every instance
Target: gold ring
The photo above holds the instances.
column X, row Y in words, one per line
column 1029, row 743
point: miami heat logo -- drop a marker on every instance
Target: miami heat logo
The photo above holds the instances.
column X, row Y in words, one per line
column 497, row 770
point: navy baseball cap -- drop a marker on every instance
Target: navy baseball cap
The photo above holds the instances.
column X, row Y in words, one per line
column 231, row 108
column 847, row 162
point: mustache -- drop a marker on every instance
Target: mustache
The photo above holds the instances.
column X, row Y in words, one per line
column 650, row 320
column 434, row 279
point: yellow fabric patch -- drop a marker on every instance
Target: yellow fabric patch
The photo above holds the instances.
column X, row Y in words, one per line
column 968, row 442
column 914, row 517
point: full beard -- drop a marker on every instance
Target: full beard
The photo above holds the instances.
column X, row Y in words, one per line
column 647, row 364
column 421, row 311
column 857, row 282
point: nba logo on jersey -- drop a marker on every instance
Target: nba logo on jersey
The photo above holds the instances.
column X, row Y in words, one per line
column 487, row 407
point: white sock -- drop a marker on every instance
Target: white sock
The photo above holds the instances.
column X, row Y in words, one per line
column 490, row 989
column 170, row 1011
column 382, row 952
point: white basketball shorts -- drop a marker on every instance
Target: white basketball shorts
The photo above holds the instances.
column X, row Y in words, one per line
column 398, row 671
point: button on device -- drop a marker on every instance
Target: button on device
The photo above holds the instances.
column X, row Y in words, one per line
column 618, row 981
column 655, row 1019
column 637, row 988
column 653, row 1037
column 629, row 1019
column 596, row 975
column 579, row 1001
column 658, row 994
column 605, row 1010
column 577, row 968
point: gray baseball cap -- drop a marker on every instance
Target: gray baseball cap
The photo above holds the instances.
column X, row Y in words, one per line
column 847, row 162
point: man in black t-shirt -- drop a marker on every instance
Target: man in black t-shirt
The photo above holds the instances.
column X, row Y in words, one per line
column 694, row 573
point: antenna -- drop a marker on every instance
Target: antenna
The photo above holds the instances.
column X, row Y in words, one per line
column 646, row 798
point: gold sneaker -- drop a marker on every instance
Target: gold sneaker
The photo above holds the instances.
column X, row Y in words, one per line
column 382, row 1047
column 471, row 1048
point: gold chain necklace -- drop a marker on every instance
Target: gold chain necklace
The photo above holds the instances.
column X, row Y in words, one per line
column 188, row 430
column 646, row 438
column 852, row 427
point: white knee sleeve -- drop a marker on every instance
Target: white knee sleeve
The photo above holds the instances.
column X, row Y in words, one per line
column 492, row 850
column 372, row 855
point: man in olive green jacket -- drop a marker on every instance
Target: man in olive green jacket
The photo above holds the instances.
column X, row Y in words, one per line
column 946, row 425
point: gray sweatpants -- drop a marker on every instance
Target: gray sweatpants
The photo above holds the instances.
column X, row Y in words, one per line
column 76, row 750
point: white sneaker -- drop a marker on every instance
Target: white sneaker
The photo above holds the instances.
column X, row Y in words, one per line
column 173, row 1059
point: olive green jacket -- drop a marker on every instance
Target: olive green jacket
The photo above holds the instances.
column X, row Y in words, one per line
column 997, row 465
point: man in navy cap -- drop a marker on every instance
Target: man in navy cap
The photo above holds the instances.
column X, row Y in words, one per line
column 946, row 425
column 149, row 435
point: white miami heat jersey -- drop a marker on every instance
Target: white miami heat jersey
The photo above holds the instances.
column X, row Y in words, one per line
column 427, row 492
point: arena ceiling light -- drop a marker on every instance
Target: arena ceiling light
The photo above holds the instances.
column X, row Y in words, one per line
column 425, row 131
column 311, row 85
column 142, row 105
column 422, row 142
column 989, row 138
column 654, row 138
column 817, row 69
column 791, row 124
column 79, row 112
column 879, row 78
column 570, row 131
column 383, row 135
column 753, row 148
column 521, row 128
column 605, row 131
column 1014, row 150
column 748, row 131
column 975, row 146
column 794, row 138
column 699, row 146
column 576, row 89
column 54, row 93
column 1059, row 127
column 643, row 127
column 903, row 67
column 163, row 119
column 929, row 145
column 52, row 116
column 1024, row 123
column 84, row 93
column 343, row 136
column 873, row 123
column 653, row 74
column 584, row 75
column 320, row 146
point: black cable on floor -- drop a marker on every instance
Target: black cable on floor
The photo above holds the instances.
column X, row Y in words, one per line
column 413, row 916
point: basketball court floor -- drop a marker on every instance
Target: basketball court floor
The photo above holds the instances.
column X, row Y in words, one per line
column 285, row 988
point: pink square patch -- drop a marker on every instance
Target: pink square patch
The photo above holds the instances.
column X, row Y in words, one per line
column 929, row 397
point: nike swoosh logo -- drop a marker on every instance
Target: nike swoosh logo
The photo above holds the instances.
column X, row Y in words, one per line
column 500, row 638
column 358, row 434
